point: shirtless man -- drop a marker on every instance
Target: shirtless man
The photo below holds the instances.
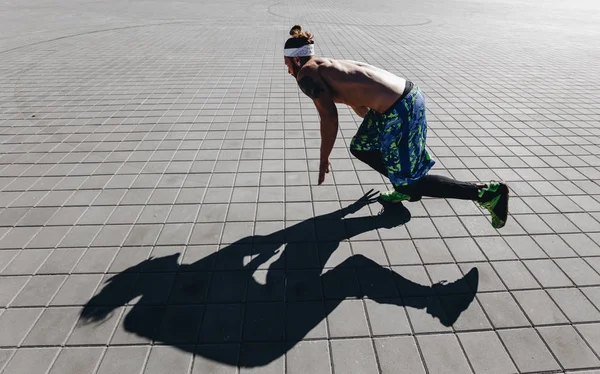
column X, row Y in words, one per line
column 391, row 138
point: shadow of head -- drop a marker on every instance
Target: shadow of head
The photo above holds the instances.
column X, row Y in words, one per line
column 118, row 290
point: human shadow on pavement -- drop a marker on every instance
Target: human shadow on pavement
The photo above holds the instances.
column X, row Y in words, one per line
column 212, row 305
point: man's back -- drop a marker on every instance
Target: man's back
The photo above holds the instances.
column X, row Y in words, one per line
column 359, row 84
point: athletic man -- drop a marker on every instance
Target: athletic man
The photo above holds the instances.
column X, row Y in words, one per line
column 391, row 138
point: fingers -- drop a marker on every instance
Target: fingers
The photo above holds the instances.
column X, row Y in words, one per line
column 321, row 177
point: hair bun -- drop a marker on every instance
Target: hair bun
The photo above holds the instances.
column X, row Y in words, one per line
column 296, row 31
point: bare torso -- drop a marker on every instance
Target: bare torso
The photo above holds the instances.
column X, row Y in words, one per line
column 359, row 84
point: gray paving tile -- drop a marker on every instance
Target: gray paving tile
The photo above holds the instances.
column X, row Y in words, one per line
column 309, row 357
column 502, row 310
column 398, row 355
column 10, row 287
column 123, row 359
column 209, row 358
column 486, row 353
column 171, row 359
column 39, row 291
column 27, row 262
column 464, row 249
column 579, row 271
column 574, row 304
column 353, row 356
column 77, row 360
column 15, row 324
column 77, row 289
column 347, row 319
column 88, row 332
column 515, row 275
column 442, row 353
column 554, row 246
column 306, row 311
column 28, row 360
column 53, row 327
column 495, row 248
column 61, row 261
column 386, row 317
column 569, row 347
column 548, row 273
column 433, row 251
column 5, row 355
column 525, row 247
column 528, row 350
column 590, row 333
column 539, row 307
column 95, row 260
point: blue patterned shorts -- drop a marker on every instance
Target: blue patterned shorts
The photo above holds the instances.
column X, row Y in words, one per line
column 400, row 135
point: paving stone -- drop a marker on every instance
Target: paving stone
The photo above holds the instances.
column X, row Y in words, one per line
column 554, row 246
column 525, row 247
column 464, row 249
column 495, row 248
column 515, row 275
column 401, row 252
column 28, row 360
column 53, row 327
column 95, row 260
column 39, row 291
column 486, row 353
column 77, row 360
column 123, row 359
column 528, row 350
column 10, row 287
column 442, row 353
column 347, row 319
column 26, row 262
column 574, row 304
column 539, row 307
column 398, row 355
column 61, row 261
column 353, row 356
column 579, row 271
column 309, row 357
column 15, row 324
column 590, row 333
column 502, row 310
column 548, row 273
column 171, row 359
column 88, row 332
column 569, row 347
column 210, row 358
column 77, row 289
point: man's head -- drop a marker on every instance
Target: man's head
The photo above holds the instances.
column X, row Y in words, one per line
column 298, row 49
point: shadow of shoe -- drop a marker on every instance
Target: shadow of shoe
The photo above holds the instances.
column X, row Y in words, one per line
column 463, row 293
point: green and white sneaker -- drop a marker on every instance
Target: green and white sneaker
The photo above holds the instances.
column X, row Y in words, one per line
column 393, row 196
column 494, row 197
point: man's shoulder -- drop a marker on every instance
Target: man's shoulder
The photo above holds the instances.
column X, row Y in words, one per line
column 310, row 68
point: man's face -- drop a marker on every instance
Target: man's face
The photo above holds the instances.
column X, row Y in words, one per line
column 292, row 68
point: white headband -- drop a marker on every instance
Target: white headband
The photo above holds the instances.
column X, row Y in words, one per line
column 305, row 50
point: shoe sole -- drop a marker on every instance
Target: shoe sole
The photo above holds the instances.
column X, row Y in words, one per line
column 504, row 186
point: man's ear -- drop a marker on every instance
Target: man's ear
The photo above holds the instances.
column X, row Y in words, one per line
column 297, row 60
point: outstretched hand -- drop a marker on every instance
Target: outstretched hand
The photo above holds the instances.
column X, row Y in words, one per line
column 366, row 199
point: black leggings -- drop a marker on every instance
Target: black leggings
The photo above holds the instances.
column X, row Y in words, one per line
column 428, row 185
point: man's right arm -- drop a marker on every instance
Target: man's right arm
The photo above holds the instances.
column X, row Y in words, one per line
column 313, row 86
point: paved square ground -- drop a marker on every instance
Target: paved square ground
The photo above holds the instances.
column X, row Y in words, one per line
column 159, row 210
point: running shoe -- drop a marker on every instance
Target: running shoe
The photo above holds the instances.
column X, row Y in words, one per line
column 393, row 196
column 494, row 197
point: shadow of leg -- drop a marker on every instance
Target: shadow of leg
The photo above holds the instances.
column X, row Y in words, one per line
column 377, row 282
